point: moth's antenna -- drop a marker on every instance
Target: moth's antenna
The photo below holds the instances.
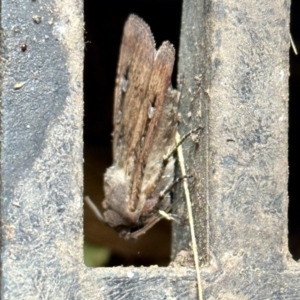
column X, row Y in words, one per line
column 293, row 45
column 94, row 208
column 163, row 193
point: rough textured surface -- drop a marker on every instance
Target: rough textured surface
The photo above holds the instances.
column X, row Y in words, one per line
column 41, row 149
column 235, row 60
column 194, row 105
column 234, row 56
column 41, row 166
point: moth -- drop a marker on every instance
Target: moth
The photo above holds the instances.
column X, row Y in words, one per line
column 145, row 124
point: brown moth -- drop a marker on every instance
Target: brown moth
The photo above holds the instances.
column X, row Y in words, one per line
column 145, row 124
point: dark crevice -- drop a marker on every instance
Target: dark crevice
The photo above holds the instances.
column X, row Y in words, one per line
column 294, row 86
column 104, row 22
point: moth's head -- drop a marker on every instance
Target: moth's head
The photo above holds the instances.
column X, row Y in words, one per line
column 116, row 187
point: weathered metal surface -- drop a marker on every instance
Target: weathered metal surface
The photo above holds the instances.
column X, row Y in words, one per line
column 234, row 56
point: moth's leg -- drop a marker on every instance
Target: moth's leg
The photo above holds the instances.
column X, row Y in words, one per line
column 94, row 208
column 164, row 212
column 166, row 216
column 168, row 188
column 171, row 152
column 165, row 161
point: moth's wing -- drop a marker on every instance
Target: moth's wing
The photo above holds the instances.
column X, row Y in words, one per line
column 156, row 175
column 161, row 129
column 130, row 108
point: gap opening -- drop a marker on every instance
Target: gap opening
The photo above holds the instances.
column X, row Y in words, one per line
column 104, row 23
column 294, row 123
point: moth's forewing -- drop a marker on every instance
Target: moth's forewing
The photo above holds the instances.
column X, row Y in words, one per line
column 160, row 133
column 157, row 176
column 136, row 60
column 130, row 107
column 162, row 142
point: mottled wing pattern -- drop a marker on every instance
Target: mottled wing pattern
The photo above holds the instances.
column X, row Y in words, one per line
column 130, row 109
column 160, row 128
